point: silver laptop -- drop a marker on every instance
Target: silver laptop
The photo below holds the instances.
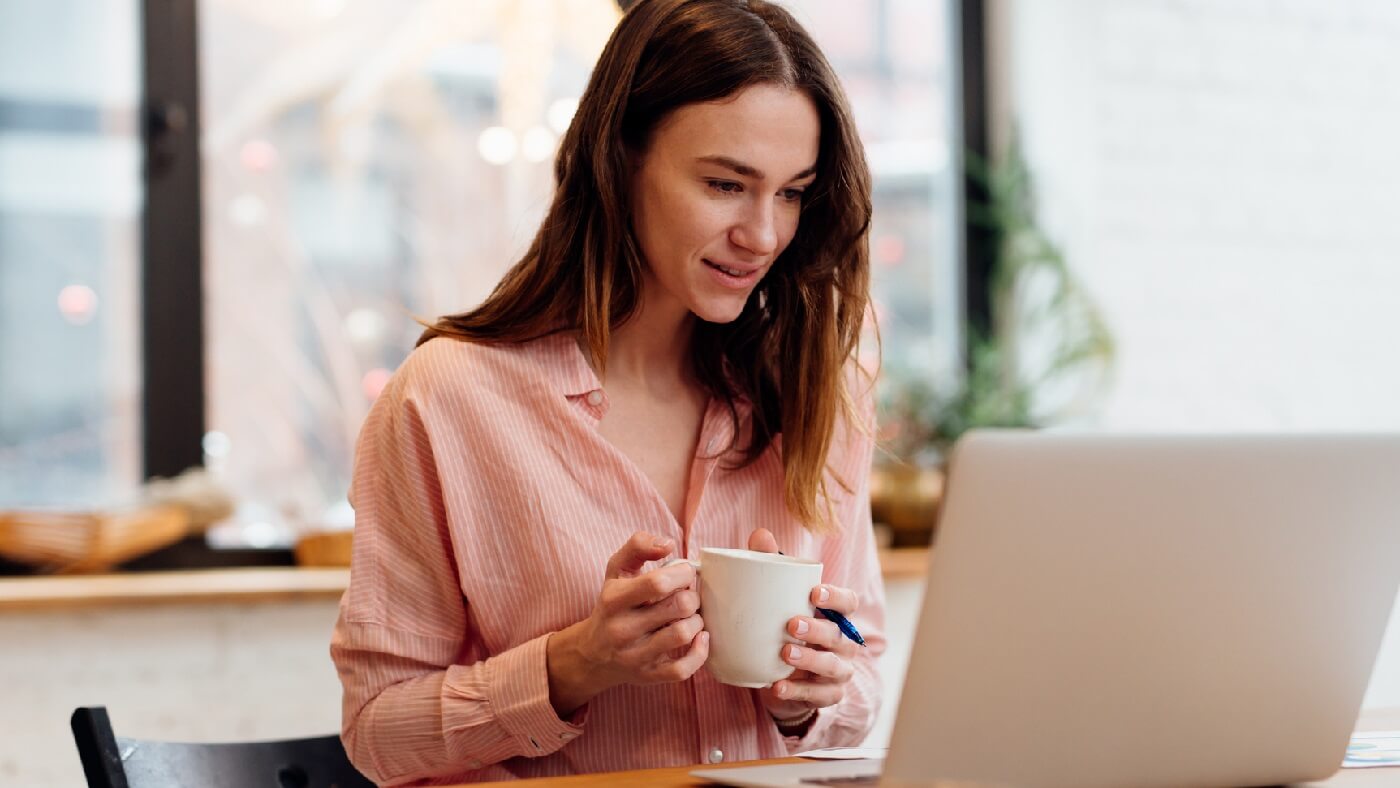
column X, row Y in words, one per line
column 1129, row 610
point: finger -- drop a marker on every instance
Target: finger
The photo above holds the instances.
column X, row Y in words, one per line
column 627, row 593
column 673, row 636
column 823, row 633
column 685, row 667
column 822, row 664
column 842, row 600
column 639, row 549
column 762, row 541
column 638, row 622
column 797, row 675
column 814, row 693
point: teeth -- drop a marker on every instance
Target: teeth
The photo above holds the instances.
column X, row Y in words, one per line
column 730, row 271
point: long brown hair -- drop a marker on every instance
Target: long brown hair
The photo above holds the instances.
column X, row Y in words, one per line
column 788, row 349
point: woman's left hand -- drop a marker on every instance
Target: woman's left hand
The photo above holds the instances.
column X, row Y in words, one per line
column 825, row 664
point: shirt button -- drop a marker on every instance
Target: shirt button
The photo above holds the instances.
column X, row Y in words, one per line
column 595, row 398
column 566, row 735
column 475, row 764
column 716, row 755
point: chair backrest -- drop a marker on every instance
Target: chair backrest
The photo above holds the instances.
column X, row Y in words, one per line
column 110, row 761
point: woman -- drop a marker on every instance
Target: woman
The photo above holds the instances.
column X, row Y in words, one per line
column 669, row 367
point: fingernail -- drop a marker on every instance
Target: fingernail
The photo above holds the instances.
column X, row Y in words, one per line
column 823, row 594
column 661, row 544
column 794, row 652
column 801, row 626
column 781, row 690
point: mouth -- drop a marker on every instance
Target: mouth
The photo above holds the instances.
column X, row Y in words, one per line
column 734, row 275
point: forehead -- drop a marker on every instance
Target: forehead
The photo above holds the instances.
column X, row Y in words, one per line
column 772, row 128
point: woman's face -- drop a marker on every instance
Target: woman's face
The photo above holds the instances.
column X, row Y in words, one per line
column 717, row 195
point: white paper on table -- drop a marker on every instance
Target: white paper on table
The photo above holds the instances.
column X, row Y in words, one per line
column 1370, row 749
column 844, row 753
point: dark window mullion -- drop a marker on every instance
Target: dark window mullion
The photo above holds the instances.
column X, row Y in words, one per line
column 172, row 300
column 979, row 243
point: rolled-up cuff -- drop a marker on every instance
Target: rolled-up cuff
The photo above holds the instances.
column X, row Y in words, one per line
column 517, row 685
column 816, row 733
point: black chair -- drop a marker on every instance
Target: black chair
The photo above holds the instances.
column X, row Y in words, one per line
column 113, row 762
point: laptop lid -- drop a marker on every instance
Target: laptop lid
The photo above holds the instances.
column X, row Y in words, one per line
column 1114, row 610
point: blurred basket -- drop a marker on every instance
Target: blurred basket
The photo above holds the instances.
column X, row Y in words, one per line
column 324, row 548
column 72, row 542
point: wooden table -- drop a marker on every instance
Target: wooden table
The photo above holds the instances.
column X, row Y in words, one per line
column 679, row 776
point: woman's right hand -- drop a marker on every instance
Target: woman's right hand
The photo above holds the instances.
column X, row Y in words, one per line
column 644, row 629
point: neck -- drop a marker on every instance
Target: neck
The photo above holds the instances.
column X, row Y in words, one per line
column 653, row 347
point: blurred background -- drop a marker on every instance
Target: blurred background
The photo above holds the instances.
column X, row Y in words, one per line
column 219, row 220
column 1211, row 181
column 361, row 164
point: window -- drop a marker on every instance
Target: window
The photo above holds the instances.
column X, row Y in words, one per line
column 367, row 163
column 70, row 208
column 894, row 59
column 371, row 162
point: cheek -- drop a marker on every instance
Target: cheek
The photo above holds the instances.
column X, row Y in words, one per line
column 787, row 228
column 697, row 225
column 659, row 226
column 656, row 208
column 683, row 222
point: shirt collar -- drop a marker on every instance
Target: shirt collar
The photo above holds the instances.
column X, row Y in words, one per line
column 572, row 375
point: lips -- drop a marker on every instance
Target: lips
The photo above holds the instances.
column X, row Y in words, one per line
column 736, row 271
column 735, row 278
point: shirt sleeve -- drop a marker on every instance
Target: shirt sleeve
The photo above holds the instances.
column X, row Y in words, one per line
column 851, row 560
column 409, row 709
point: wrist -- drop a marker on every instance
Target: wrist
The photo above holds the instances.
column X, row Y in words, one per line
column 796, row 725
column 574, row 677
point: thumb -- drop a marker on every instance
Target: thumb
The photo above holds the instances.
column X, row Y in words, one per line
column 762, row 541
column 638, row 550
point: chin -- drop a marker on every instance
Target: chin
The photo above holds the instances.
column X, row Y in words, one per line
column 719, row 313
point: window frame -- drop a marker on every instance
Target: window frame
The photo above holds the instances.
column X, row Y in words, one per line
column 172, row 304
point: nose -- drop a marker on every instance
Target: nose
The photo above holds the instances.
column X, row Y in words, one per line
column 756, row 232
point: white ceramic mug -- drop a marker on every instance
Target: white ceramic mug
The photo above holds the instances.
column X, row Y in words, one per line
column 747, row 599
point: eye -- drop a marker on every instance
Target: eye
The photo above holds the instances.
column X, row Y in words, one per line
column 725, row 187
column 793, row 195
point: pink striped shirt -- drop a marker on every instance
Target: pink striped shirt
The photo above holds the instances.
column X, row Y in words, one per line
column 486, row 506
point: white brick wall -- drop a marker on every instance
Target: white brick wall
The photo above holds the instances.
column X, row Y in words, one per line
column 1225, row 175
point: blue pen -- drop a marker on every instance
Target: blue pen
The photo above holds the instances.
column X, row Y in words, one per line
column 842, row 623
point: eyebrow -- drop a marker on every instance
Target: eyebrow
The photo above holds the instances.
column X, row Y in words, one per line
column 749, row 171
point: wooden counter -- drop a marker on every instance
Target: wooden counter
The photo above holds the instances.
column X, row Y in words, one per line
column 909, row 563
column 153, row 588
column 215, row 586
